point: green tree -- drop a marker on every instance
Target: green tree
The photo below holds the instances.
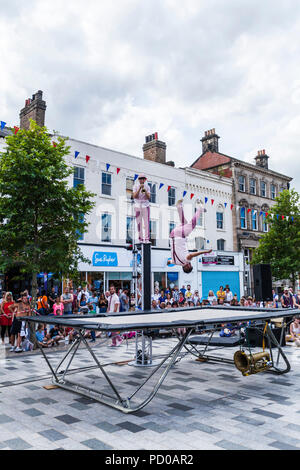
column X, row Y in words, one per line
column 280, row 247
column 41, row 216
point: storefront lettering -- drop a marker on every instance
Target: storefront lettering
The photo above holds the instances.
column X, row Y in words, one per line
column 105, row 259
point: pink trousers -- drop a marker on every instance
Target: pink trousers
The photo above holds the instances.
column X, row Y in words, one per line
column 185, row 228
column 142, row 215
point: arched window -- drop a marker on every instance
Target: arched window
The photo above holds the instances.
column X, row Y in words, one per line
column 221, row 244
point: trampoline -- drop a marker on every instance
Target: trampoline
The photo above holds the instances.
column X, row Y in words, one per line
column 192, row 319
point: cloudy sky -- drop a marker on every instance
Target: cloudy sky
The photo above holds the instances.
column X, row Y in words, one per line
column 113, row 72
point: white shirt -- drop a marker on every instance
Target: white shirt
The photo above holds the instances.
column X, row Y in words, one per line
column 113, row 300
column 228, row 296
column 141, row 200
column 179, row 251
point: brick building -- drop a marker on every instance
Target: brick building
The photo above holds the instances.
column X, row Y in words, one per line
column 254, row 190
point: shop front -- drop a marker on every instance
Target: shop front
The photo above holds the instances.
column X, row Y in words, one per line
column 221, row 269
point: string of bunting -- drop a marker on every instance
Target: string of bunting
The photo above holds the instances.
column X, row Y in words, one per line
column 192, row 195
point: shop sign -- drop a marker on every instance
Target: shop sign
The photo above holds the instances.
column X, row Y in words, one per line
column 101, row 258
column 218, row 260
column 227, row 260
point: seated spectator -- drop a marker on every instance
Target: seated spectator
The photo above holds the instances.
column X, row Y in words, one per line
column 295, row 330
column 56, row 334
column 156, row 294
column 162, row 305
column 221, row 301
column 196, row 297
column 154, row 305
column 175, row 304
column 168, row 305
column 42, row 340
column 242, row 302
column 169, row 298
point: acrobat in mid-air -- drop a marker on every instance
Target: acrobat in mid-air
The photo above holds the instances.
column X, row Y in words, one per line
column 178, row 238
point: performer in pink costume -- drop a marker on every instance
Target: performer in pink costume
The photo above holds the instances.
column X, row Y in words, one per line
column 178, row 238
column 141, row 196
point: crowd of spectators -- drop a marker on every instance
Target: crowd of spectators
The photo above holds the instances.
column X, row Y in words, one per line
column 88, row 301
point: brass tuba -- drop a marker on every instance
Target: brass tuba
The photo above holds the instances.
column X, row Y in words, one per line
column 252, row 363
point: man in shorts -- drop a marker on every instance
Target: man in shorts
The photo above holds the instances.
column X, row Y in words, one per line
column 19, row 309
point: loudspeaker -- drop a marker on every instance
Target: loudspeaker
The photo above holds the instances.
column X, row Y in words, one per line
column 262, row 277
column 255, row 337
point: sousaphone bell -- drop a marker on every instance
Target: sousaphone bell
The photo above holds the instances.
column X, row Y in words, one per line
column 252, row 363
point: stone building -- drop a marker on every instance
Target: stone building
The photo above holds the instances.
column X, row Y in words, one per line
column 254, row 190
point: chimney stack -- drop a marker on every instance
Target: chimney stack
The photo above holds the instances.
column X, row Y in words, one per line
column 262, row 159
column 154, row 149
column 34, row 109
column 210, row 141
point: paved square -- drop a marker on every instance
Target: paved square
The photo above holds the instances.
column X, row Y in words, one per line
column 199, row 406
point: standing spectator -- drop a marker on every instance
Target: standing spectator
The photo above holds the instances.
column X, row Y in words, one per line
column 212, row 299
column 42, row 303
column 113, row 309
column 181, row 300
column 51, row 297
column 93, row 300
column 183, row 290
column 6, row 316
column 228, row 295
column 58, row 307
column 124, row 301
column 74, row 303
column 113, row 301
column 67, row 300
column 275, row 299
column 19, row 309
column 162, row 297
column 221, row 293
column 156, row 294
column 2, row 297
column 196, row 297
column 176, row 294
column 287, row 299
column 188, row 292
column 297, row 300
column 103, row 304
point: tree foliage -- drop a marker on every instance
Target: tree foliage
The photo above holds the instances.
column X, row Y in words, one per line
column 280, row 247
column 40, row 214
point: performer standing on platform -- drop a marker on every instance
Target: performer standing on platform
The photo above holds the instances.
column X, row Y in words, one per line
column 141, row 196
column 178, row 239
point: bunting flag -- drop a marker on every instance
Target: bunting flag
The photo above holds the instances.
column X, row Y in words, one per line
column 292, row 218
column 136, row 177
column 272, row 215
column 225, row 204
column 206, row 200
column 261, row 213
column 287, row 217
column 231, row 207
column 169, row 187
column 16, row 129
column 266, row 214
column 3, row 124
column 87, row 158
column 118, row 170
column 207, row 241
column 282, row 217
column 54, row 144
column 249, row 210
column 184, row 193
column 161, row 185
column 76, row 153
column 212, row 202
column 107, row 166
column 277, row 216
column 192, row 195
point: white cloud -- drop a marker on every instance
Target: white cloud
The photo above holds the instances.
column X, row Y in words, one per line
column 113, row 72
